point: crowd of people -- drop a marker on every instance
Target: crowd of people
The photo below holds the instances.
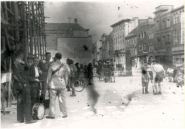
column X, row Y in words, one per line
column 36, row 79
column 176, row 75
column 105, row 72
column 155, row 73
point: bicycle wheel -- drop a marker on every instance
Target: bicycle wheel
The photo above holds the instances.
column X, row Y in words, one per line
column 79, row 87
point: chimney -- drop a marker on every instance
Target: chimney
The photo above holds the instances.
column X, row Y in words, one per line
column 75, row 21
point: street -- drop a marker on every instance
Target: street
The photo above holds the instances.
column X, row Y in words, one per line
column 144, row 110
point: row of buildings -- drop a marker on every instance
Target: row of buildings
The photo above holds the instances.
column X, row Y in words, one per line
column 142, row 40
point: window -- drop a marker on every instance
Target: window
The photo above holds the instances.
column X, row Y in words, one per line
column 174, row 19
column 174, row 37
column 139, row 47
column 180, row 36
column 168, row 37
column 177, row 17
column 144, row 47
column 168, row 23
column 158, row 39
column 163, row 24
column 163, row 41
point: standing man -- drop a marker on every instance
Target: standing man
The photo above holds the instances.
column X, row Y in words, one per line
column 21, row 85
column 158, row 74
column 34, row 81
column 57, row 80
column 90, row 73
column 67, row 65
column 44, row 66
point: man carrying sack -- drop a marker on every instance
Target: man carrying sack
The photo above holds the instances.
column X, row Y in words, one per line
column 57, row 80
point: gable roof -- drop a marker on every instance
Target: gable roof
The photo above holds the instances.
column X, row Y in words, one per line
column 64, row 26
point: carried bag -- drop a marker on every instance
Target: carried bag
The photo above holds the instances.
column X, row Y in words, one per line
column 57, row 69
column 56, row 80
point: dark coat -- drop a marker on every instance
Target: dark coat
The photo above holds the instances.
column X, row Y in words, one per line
column 19, row 76
column 35, row 86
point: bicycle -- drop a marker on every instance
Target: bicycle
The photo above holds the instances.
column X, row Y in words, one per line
column 80, row 84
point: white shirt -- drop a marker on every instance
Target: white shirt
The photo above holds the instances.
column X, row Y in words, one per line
column 157, row 68
column 36, row 72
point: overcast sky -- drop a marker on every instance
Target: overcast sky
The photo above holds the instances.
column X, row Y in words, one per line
column 99, row 16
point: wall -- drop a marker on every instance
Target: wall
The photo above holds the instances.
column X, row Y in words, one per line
column 73, row 48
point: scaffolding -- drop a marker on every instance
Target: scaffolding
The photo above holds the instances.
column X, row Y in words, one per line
column 22, row 29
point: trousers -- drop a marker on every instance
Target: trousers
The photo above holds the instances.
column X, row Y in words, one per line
column 34, row 93
column 71, row 85
column 62, row 101
column 24, row 110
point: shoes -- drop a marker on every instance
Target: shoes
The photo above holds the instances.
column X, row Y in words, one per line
column 64, row 116
column 155, row 93
column 20, row 121
column 49, row 117
column 30, row 122
column 72, row 95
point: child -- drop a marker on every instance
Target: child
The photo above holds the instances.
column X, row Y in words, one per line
column 145, row 80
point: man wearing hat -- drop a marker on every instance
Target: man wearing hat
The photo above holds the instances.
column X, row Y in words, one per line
column 158, row 72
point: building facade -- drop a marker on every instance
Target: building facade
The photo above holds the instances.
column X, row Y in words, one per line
column 131, row 45
column 177, row 32
column 140, row 42
column 163, row 35
column 71, row 39
column 120, row 30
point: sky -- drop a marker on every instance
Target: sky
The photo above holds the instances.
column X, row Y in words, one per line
column 99, row 16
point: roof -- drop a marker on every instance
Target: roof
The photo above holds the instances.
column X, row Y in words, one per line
column 181, row 7
column 122, row 21
column 132, row 33
column 139, row 28
column 64, row 26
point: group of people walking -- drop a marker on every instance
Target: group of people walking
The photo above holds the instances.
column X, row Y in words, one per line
column 36, row 79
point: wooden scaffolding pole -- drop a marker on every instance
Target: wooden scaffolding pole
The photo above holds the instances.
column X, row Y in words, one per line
column 25, row 33
column 34, row 28
column 30, row 29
